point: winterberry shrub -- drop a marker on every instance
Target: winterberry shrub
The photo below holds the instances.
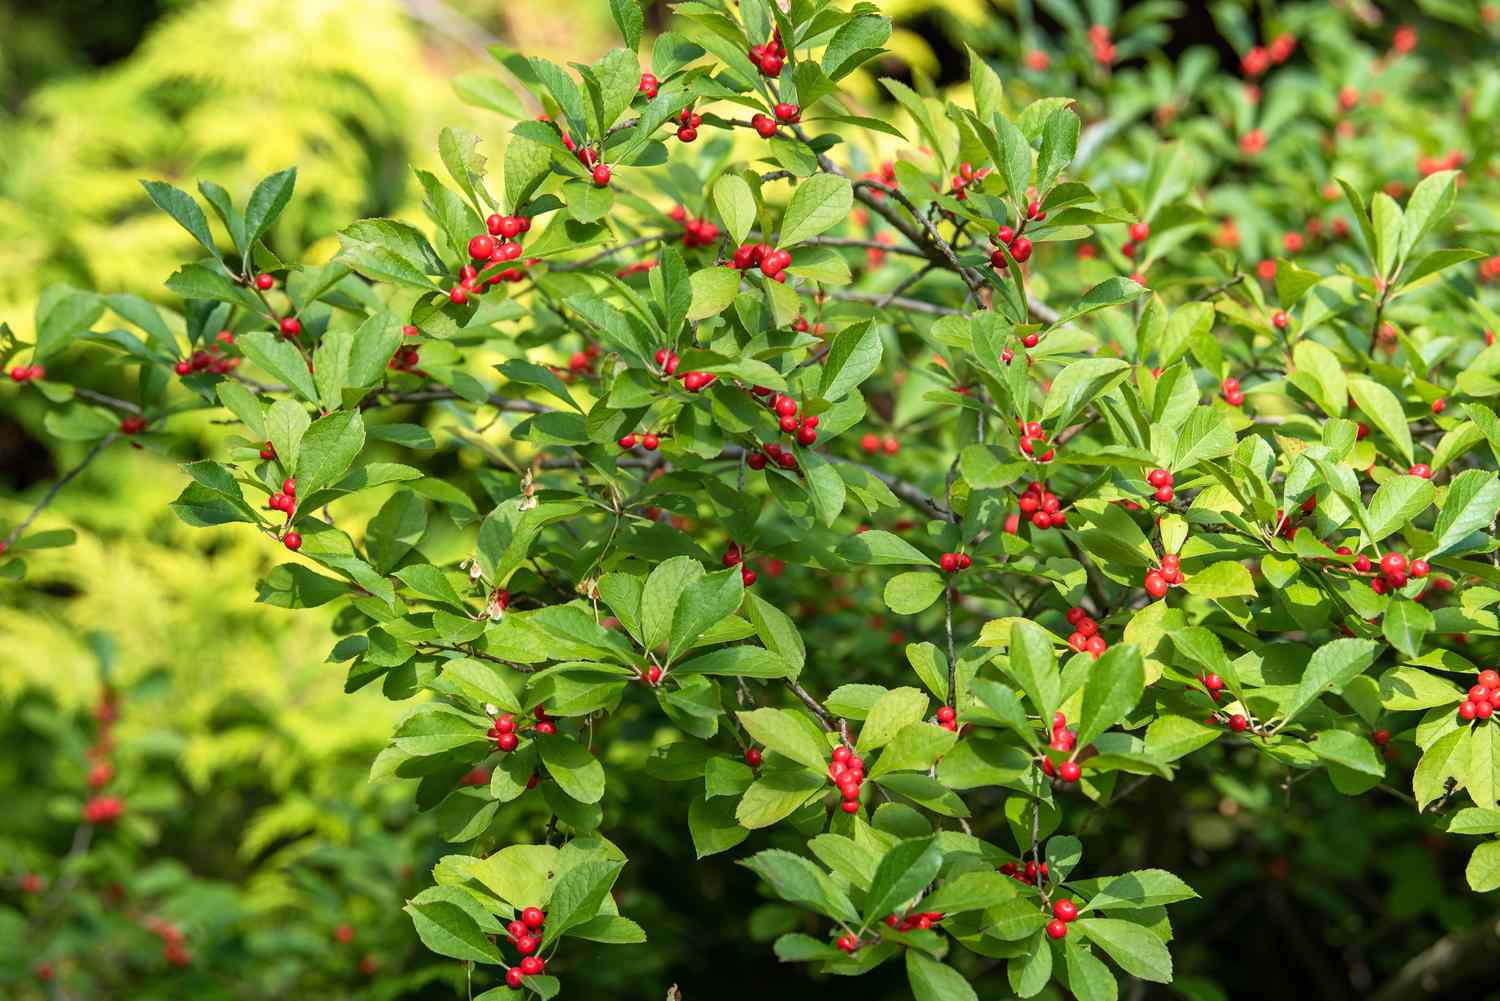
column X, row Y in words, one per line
column 1158, row 490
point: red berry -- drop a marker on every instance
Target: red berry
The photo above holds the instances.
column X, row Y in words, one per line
column 1065, row 910
column 1421, row 469
column 533, row 917
column 650, row 442
column 753, row 757
column 1483, row 709
column 265, row 282
column 507, row 741
column 1056, row 928
column 1489, row 678
column 514, row 977
column 602, row 174
column 292, row 540
column 481, row 247
column 458, row 295
column 1164, row 494
column 1139, row 231
column 290, row 326
column 946, row 714
column 1156, row 584
column 764, row 125
column 1381, row 737
column 948, row 562
column 532, row 965
column 627, row 441
column 648, row 84
column 1159, row 478
column 1238, row 723
column 1392, row 563
column 1069, row 771
column 1020, row 249
column 1421, row 568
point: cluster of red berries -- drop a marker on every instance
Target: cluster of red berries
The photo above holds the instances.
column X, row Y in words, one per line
column 1168, row 575
column 25, row 373
column 406, row 359
column 1085, row 637
column 1258, row 59
column 1063, row 912
column 1139, row 231
column 772, row 263
column 498, row 245
column 1232, row 393
column 1028, row 874
column 947, row 718
column 848, row 773
column 268, row 452
column 1104, row 46
column 688, row 122
column 1451, row 160
column 954, row 562
column 1162, row 480
column 1042, row 507
column 695, row 232
column 133, row 424
column 1484, row 697
column 286, row 500
column 966, row 176
column 1393, row 570
column 771, row 452
column 666, row 360
column 770, row 57
column 526, row 935
column 785, row 113
column 581, row 363
column 1033, row 433
column 915, row 921
column 102, row 809
column 1063, row 739
column 785, row 408
column 886, row 175
column 648, row 441
column 695, row 381
column 173, row 945
column 1020, row 247
column 801, row 326
column 648, row 86
column 503, row 730
column 734, row 558
column 212, row 360
column 873, row 443
column 1489, row 270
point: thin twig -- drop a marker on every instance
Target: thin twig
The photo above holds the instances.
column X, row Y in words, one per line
column 52, row 492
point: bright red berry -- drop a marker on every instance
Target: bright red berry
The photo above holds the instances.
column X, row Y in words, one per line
column 602, row 175
column 265, row 282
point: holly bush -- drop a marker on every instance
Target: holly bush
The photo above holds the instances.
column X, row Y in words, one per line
column 883, row 494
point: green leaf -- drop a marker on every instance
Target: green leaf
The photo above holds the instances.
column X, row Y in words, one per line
column 1205, row 435
column 266, row 202
column 737, row 661
column 880, row 548
column 852, row 358
column 1015, row 164
column 449, row 930
column 911, row 592
column 1225, row 579
column 819, row 203
column 824, row 485
column 1406, row 624
column 1318, row 372
column 781, row 731
column 1483, row 870
column 1353, row 751
column 713, row 290
column 1431, row 200
column 777, row 631
column 1138, row 949
column 527, row 165
column 1034, row 665
column 736, row 205
column 181, row 206
column 1333, row 665
column 286, row 423
column 704, row 602
column 1114, row 686
column 795, row 879
column 1470, row 504
column 1059, row 146
column 858, row 40
column 1079, row 383
column 713, row 827
column 578, row 895
column 1384, row 410
column 578, row 773
column 1405, row 688
column 329, row 448
column 1446, row 759
column 903, row 872
column 1475, row 820
column 1138, row 889
column 62, row 313
column 390, row 251
column 934, row 981
column 484, row 91
column 630, row 20
column 894, row 710
column 1397, row 503
column 776, row 795
column 587, row 202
